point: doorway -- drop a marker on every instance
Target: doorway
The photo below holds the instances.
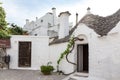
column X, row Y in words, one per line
column 82, row 58
column 24, row 54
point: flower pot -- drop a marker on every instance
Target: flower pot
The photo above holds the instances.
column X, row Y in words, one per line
column 46, row 73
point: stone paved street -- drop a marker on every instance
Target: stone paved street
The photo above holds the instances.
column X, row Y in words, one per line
column 27, row 75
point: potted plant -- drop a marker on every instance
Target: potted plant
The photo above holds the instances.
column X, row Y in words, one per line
column 47, row 69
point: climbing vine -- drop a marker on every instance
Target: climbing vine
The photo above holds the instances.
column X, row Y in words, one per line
column 67, row 50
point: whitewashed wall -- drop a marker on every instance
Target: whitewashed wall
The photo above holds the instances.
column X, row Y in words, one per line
column 105, row 57
column 55, row 52
column 39, row 25
column 39, row 51
column 104, row 53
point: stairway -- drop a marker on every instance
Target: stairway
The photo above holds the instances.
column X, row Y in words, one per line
column 77, row 76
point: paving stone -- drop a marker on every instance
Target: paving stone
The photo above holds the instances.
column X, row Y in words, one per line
column 27, row 75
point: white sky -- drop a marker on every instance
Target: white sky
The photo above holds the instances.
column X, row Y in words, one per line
column 18, row 13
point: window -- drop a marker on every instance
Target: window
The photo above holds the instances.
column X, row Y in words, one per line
column 41, row 20
column 35, row 34
column 49, row 25
column 35, row 24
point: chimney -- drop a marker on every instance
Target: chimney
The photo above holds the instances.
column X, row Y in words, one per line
column 54, row 16
column 54, row 11
column 76, row 18
column 64, row 24
column 88, row 10
column 27, row 21
column 36, row 18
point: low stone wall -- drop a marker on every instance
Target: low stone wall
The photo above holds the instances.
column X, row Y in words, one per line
column 2, row 59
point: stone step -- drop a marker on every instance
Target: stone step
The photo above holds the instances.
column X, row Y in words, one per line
column 72, row 78
column 81, row 74
column 77, row 76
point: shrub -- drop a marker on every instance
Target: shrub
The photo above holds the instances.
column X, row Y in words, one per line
column 4, row 34
column 47, row 69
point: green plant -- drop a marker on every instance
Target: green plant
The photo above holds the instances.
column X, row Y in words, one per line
column 3, row 22
column 16, row 30
column 4, row 34
column 67, row 50
column 47, row 69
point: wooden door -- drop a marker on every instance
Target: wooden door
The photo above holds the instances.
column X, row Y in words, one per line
column 24, row 54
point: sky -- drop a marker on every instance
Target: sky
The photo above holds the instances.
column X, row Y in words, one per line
column 17, row 11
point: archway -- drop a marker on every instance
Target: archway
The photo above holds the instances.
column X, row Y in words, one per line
column 82, row 54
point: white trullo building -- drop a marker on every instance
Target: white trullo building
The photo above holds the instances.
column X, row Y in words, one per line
column 48, row 25
column 96, row 51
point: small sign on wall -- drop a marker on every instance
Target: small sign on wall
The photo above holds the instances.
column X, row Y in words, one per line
column 4, row 43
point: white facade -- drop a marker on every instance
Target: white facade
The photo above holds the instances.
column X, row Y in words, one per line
column 103, row 51
column 40, row 26
column 55, row 52
column 48, row 25
column 105, row 55
column 39, row 51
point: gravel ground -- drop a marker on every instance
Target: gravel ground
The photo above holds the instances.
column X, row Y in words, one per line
column 27, row 75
